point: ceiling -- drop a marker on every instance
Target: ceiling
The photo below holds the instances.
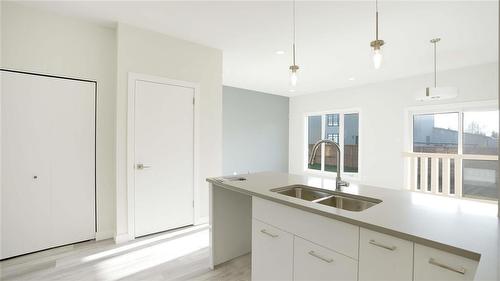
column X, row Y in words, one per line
column 333, row 37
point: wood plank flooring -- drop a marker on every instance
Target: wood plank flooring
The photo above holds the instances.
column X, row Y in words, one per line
column 176, row 255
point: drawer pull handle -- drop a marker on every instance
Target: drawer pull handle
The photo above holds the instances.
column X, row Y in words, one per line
column 459, row 270
column 312, row 253
column 375, row 243
column 269, row 234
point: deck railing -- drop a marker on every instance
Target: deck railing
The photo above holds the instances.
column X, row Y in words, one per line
column 438, row 173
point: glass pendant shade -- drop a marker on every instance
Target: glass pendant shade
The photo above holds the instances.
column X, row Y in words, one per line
column 377, row 58
column 293, row 78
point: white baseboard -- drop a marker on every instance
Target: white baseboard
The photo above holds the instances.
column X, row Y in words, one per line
column 122, row 238
column 102, row 235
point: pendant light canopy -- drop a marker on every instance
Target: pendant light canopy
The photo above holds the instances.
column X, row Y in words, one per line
column 377, row 43
column 437, row 93
column 294, row 67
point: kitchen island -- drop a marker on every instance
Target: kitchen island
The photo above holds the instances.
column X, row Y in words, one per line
column 412, row 236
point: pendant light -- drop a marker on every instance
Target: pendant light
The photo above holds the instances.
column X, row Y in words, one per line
column 293, row 68
column 437, row 93
column 376, row 44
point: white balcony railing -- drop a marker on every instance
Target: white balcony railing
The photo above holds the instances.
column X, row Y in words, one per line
column 438, row 173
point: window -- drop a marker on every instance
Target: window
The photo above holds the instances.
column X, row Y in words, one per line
column 435, row 133
column 480, row 134
column 313, row 136
column 346, row 135
column 480, row 137
column 466, row 147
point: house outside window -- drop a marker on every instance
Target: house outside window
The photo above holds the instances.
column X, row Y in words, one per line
column 455, row 153
column 333, row 120
column 343, row 129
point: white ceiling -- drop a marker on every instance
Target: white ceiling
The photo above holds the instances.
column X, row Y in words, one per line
column 332, row 36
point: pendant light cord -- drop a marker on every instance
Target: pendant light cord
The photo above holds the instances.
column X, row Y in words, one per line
column 293, row 46
column 376, row 19
column 435, row 66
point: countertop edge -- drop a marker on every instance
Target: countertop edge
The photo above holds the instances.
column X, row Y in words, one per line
column 420, row 240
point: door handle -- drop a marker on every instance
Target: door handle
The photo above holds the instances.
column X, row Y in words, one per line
column 268, row 233
column 327, row 260
column 142, row 166
column 459, row 270
column 375, row 243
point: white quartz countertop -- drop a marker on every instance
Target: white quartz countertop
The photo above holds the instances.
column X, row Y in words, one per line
column 464, row 227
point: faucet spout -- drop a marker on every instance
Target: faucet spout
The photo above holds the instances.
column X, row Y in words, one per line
column 338, row 179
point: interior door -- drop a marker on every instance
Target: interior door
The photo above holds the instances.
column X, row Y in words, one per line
column 47, row 162
column 163, row 157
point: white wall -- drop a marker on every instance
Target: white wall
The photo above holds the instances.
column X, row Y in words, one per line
column 41, row 42
column 382, row 117
column 147, row 52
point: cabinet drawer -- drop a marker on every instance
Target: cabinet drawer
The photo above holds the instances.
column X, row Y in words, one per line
column 433, row 264
column 272, row 252
column 312, row 262
column 333, row 234
column 384, row 257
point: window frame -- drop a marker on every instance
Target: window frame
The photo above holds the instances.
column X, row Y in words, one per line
column 324, row 119
column 460, row 108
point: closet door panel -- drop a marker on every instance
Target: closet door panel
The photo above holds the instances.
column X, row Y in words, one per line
column 72, row 161
column 25, row 168
column 47, row 162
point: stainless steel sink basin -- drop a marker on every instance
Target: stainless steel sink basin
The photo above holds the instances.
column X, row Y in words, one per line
column 350, row 204
column 341, row 200
column 302, row 192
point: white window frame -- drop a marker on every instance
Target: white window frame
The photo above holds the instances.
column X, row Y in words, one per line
column 460, row 108
column 324, row 119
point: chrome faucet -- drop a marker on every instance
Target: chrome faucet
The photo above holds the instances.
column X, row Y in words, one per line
column 338, row 180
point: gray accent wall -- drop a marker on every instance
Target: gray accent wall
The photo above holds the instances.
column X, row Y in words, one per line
column 255, row 131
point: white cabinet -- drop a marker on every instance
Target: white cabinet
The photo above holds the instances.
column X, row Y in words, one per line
column 384, row 257
column 291, row 244
column 313, row 262
column 332, row 234
column 432, row 264
column 272, row 253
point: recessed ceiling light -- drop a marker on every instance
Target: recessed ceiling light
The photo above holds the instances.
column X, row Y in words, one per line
column 280, row 52
column 352, row 79
column 291, row 90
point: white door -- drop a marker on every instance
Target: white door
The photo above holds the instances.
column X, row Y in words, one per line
column 47, row 163
column 163, row 157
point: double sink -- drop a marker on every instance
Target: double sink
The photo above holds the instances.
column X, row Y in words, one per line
column 330, row 198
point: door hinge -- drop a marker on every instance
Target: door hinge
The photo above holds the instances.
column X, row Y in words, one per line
column 193, row 101
column 193, row 203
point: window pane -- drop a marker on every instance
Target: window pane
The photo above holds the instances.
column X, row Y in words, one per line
column 435, row 133
column 351, row 142
column 480, row 179
column 480, row 133
column 314, row 135
column 331, row 130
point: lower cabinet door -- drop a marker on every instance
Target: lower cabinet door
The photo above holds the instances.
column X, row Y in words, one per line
column 432, row 264
column 272, row 253
column 313, row 262
column 384, row 258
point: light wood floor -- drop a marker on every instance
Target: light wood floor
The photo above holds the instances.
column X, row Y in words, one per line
column 176, row 255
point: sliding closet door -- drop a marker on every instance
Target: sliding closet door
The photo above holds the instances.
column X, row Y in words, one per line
column 48, row 162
